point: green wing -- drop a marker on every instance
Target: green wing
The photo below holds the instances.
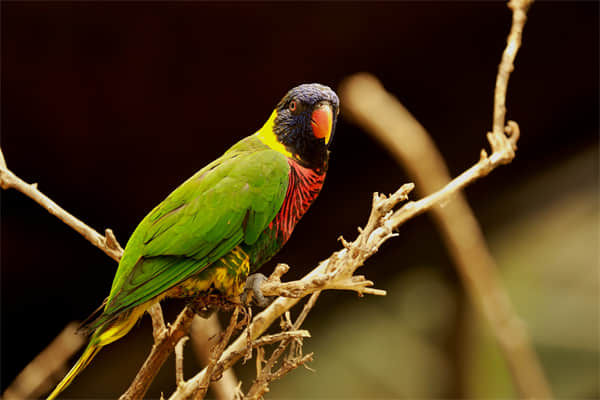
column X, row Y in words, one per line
column 230, row 201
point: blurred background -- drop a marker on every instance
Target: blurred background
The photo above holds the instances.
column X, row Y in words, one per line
column 109, row 106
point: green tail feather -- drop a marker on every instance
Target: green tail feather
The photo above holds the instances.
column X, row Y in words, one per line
column 83, row 362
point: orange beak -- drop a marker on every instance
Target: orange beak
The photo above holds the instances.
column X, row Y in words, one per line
column 322, row 121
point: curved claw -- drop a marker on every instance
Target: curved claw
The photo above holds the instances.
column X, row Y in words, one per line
column 252, row 292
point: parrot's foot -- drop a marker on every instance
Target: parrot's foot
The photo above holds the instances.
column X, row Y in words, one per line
column 253, row 293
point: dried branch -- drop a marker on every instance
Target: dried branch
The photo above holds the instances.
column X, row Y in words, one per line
column 159, row 329
column 300, row 288
column 513, row 43
column 278, row 337
column 107, row 244
column 179, row 360
column 261, row 385
column 265, row 375
column 158, row 355
column 39, row 375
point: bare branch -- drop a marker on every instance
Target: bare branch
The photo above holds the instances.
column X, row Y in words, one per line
column 8, row 180
column 179, row 360
column 159, row 329
column 278, row 337
column 307, row 307
column 513, row 43
column 158, row 355
column 261, row 385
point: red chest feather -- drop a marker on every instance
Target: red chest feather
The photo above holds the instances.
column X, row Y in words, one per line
column 304, row 187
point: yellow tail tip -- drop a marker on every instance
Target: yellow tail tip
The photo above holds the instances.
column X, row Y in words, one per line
column 83, row 362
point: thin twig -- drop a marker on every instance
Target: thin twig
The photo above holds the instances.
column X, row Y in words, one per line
column 158, row 355
column 265, row 375
column 179, row 360
column 513, row 43
column 261, row 385
column 308, row 306
column 8, row 180
column 159, row 329
column 216, row 354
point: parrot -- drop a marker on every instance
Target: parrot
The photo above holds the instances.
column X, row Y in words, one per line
column 225, row 221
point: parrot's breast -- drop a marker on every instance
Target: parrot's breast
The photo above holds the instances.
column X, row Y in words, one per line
column 303, row 188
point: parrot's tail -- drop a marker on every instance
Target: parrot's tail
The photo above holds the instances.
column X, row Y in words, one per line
column 104, row 335
column 83, row 362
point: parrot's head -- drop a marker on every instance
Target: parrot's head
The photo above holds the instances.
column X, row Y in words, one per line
column 303, row 123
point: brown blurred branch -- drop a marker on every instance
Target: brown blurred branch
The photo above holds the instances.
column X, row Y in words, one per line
column 383, row 116
column 38, row 376
column 203, row 329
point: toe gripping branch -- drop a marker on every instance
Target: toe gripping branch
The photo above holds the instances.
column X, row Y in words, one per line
column 252, row 292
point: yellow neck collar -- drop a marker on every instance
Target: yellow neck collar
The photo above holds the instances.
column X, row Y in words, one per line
column 266, row 134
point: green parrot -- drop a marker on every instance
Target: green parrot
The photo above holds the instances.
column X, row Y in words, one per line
column 225, row 221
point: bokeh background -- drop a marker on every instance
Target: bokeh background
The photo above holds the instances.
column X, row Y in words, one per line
column 109, row 106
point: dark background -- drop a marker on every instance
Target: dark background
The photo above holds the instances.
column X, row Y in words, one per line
column 109, row 106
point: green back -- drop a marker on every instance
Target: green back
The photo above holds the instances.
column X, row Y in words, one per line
column 229, row 202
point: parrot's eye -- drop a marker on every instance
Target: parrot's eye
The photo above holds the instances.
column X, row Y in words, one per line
column 293, row 106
